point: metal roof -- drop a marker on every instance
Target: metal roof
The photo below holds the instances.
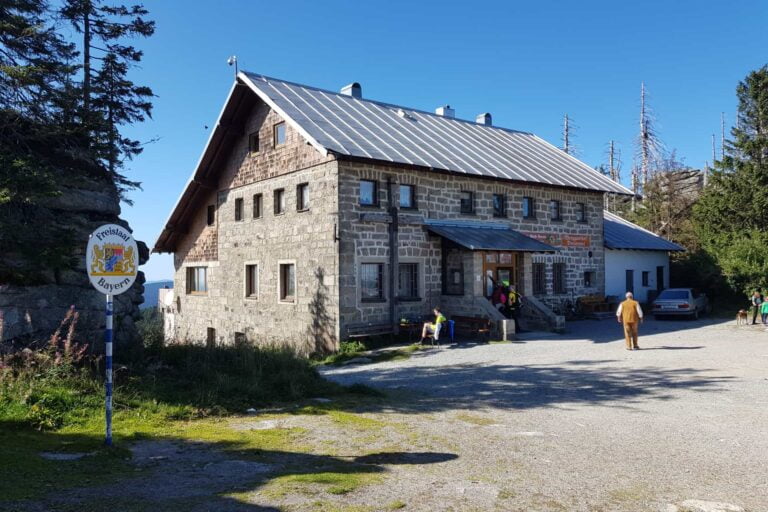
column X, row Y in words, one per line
column 344, row 125
column 621, row 234
column 485, row 237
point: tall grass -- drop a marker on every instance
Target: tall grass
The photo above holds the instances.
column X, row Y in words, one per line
column 59, row 385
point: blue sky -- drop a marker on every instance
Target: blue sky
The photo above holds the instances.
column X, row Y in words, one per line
column 528, row 63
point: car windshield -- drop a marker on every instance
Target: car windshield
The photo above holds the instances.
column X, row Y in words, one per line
column 673, row 295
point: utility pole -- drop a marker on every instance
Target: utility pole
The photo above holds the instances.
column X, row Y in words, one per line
column 566, row 135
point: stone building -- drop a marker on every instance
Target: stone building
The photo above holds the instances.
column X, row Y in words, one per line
column 284, row 232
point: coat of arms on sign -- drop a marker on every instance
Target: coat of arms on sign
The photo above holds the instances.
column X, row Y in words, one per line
column 113, row 260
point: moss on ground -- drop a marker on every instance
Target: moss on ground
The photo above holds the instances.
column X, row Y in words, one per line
column 475, row 419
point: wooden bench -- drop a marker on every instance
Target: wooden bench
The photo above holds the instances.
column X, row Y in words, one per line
column 473, row 325
column 594, row 304
column 368, row 330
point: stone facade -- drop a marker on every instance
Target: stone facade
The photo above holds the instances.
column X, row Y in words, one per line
column 364, row 238
column 331, row 241
column 304, row 238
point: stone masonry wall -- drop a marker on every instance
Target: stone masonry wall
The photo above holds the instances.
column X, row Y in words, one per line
column 364, row 235
column 304, row 238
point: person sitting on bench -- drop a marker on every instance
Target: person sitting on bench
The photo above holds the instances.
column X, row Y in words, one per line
column 433, row 328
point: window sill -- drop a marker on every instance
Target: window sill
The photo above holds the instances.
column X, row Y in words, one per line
column 501, row 216
column 371, row 206
column 530, row 219
column 252, row 298
column 473, row 214
column 287, row 302
column 409, row 299
column 558, row 220
column 302, row 210
column 277, row 214
column 198, row 294
column 409, row 208
column 373, row 301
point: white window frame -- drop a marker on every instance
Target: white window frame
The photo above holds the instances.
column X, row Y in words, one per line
column 255, row 296
column 279, row 286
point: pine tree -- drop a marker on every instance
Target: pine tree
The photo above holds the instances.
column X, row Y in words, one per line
column 730, row 216
column 110, row 100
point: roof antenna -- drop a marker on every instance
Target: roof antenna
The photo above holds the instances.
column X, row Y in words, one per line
column 232, row 61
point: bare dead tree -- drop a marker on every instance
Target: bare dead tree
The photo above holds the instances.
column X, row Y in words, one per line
column 649, row 146
column 567, row 135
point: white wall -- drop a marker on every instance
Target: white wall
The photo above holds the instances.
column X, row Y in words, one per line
column 618, row 262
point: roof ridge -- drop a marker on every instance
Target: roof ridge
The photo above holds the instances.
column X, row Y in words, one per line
column 384, row 103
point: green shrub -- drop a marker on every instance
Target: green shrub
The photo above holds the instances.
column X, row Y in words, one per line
column 150, row 329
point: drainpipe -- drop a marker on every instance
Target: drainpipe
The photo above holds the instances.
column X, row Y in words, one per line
column 393, row 256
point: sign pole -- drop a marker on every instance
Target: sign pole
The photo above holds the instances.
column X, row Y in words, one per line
column 112, row 261
column 108, row 348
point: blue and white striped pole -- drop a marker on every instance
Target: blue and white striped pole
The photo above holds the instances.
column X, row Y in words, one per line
column 108, row 347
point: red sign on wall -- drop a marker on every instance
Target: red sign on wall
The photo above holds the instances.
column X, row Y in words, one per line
column 561, row 239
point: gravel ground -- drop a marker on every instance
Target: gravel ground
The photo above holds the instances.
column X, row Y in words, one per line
column 576, row 422
column 547, row 423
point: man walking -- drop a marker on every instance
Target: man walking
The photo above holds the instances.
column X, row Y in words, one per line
column 630, row 314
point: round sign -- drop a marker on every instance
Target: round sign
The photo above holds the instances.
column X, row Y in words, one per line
column 112, row 259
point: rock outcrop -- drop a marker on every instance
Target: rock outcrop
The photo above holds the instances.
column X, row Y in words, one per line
column 34, row 312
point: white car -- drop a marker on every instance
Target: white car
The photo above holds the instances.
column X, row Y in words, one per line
column 680, row 302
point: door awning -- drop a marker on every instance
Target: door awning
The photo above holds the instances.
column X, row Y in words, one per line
column 488, row 237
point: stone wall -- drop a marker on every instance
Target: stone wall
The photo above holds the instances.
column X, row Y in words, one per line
column 304, row 238
column 364, row 236
column 32, row 313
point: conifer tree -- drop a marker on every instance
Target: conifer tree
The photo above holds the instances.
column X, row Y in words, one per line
column 730, row 216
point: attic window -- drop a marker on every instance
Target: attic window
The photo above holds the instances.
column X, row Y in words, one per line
column 253, row 142
column 279, row 134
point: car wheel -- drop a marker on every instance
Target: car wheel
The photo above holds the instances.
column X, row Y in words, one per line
column 696, row 314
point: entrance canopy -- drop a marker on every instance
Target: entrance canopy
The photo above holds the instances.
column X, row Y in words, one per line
column 477, row 236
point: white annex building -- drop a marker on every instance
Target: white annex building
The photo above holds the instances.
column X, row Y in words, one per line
column 636, row 260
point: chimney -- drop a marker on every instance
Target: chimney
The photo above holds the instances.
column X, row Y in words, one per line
column 445, row 111
column 484, row 118
column 353, row 90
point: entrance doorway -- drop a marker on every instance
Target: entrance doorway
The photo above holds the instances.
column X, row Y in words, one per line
column 500, row 268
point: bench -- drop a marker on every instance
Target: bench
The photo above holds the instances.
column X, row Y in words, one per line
column 368, row 330
column 473, row 325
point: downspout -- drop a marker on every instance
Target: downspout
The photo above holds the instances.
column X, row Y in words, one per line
column 393, row 256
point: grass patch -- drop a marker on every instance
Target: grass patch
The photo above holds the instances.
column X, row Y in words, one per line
column 475, row 419
column 344, row 355
column 50, row 401
column 329, row 482
column 395, row 505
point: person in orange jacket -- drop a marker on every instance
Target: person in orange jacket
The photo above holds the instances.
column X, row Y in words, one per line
column 631, row 315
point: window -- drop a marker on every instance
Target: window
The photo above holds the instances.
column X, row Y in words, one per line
column 240, row 339
column 279, row 134
column 407, row 196
column 539, row 279
column 257, row 207
column 279, row 201
column 558, row 277
column 499, row 205
column 251, row 281
column 408, row 280
column 554, row 210
column 589, row 279
column 210, row 337
column 197, row 280
column 287, row 282
column 645, row 276
column 302, row 197
column 372, row 282
column 467, row 203
column 239, row 208
column 529, row 208
column 630, row 278
column 453, row 271
column 253, row 142
column 581, row 213
column 211, row 214
column 369, row 193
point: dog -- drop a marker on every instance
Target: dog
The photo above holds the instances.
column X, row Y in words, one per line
column 742, row 318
